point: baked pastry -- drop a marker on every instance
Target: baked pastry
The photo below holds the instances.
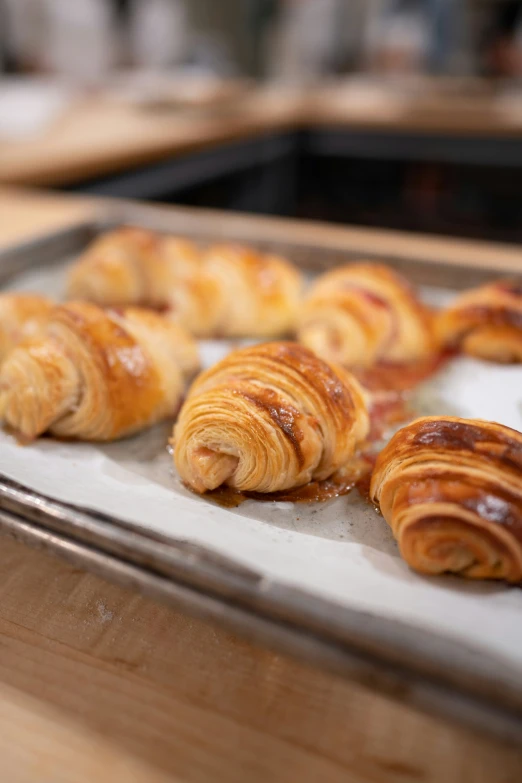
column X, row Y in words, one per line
column 361, row 314
column 131, row 266
column 96, row 375
column 485, row 322
column 21, row 315
column 229, row 291
column 254, row 295
column 451, row 490
column 268, row 418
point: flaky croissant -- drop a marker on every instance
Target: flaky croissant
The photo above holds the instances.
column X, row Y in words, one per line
column 486, row 322
column 131, row 266
column 21, row 315
column 96, row 375
column 268, row 418
column 365, row 313
column 451, row 490
column 228, row 291
column 255, row 295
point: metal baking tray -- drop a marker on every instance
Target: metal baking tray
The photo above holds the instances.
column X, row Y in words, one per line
column 409, row 664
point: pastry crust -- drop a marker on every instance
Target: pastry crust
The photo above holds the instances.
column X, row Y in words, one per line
column 451, row 490
column 268, row 418
column 21, row 315
column 255, row 295
column 227, row 291
column 485, row 322
column 96, row 375
column 131, row 266
column 361, row 314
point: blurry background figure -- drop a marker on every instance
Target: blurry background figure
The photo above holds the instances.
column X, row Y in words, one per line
column 502, row 47
column 409, row 36
column 21, row 31
column 159, row 35
column 313, row 38
column 291, row 40
column 260, row 19
column 304, row 39
column 398, row 37
column 73, row 39
column 78, row 38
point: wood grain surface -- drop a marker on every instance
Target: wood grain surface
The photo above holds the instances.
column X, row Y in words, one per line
column 97, row 136
column 25, row 215
column 100, row 684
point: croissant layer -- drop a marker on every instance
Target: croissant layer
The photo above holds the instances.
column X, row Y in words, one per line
column 268, row 418
column 96, row 375
column 362, row 314
column 21, row 316
column 255, row 294
column 228, row 290
column 451, row 490
column 131, row 266
column 486, row 322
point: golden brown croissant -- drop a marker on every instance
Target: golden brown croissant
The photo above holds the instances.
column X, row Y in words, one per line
column 131, row 266
column 254, row 295
column 268, row 418
column 96, row 375
column 486, row 322
column 21, row 315
column 364, row 313
column 451, row 490
column 229, row 291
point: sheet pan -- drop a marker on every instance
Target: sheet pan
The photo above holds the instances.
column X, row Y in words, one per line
column 324, row 581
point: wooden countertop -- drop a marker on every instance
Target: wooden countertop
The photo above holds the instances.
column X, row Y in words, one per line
column 96, row 136
column 100, row 683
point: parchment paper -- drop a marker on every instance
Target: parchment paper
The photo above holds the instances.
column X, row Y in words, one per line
column 342, row 549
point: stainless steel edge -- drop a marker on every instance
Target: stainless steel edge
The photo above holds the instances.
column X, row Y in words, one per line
column 53, row 248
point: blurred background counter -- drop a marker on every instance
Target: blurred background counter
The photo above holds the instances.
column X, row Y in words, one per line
column 415, row 155
column 397, row 113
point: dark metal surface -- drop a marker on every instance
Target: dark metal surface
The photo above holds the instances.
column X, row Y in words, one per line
column 414, row 146
column 180, row 173
column 412, row 665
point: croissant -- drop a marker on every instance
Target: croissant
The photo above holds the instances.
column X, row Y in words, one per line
column 254, row 295
column 486, row 322
column 229, row 291
column 130, row 266
column 451, row 490
column 96, row 375
column 364, row 313
column 268, row 418
column 21, row 315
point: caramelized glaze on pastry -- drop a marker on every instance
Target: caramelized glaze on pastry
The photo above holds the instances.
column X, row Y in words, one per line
column 227, row 291
column 131, row 266
column 451, row 490
column 268, row 418
column 96, row 375
column 21, row 315
column 362, row 314
column 255, row 295
column 486, row 322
